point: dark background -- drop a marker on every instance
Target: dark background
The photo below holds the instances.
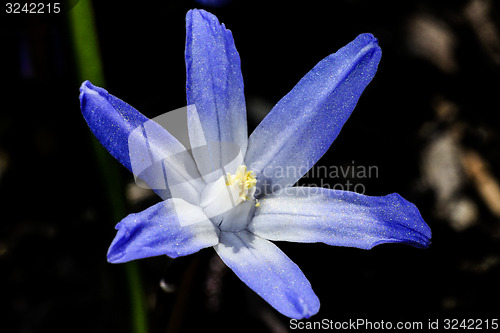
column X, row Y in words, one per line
column 428, row 121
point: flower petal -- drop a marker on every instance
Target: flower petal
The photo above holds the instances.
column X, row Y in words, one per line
column 172, row 227
column 309, row 215
column 110, row 119
column 215, row 85
column 269, row 272
column 141, row 145
column 304, row 123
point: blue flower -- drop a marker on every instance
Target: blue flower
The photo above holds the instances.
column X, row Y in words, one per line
column 239, row 207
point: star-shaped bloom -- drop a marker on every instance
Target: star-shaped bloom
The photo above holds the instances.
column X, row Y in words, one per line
column 235, row 200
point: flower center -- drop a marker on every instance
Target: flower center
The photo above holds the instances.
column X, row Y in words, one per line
column 243, row 183
column 229, row 201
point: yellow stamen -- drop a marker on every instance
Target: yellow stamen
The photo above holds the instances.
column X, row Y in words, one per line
column 244, row 181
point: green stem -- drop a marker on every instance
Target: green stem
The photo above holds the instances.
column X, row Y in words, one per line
column 138, row 309
column 89, row 67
